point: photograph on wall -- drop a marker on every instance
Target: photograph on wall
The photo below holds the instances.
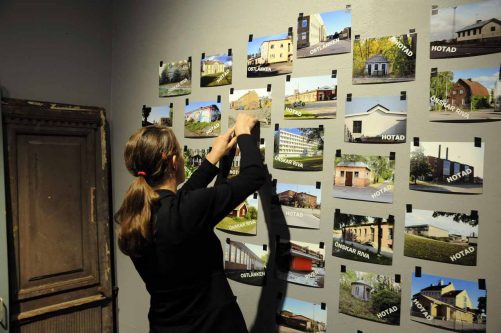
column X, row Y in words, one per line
column 235, row 164
column 270, row 55
column 245, row 262
column 375, row 119
column 243, row 218
column 174, row 78
column 300, row 149
column 202, row 119
column 256, row 102
column 193, row 158
column 370, row 296
column 450, row 304
column 447, row 167
column 216, row 70
column 158, row 115
column 301, row 263
column 465, row 30
column 365, row 178
column 363, row 238
column 465, row 95
column 299, row 316
column 310, row 97
column 441, row 236
column 384, row 59
column 298, row 204
column 323, row 34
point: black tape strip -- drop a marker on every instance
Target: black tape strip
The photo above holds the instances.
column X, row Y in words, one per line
column 357, row 37
column 300, row 15
column 417, row 271
column 210, row 148
column 144, row 107
column 434, row 72
column 481, row 284
column 338, row 152
column 265, row 247
column 268, row 87
column 474, row 214
column 392, row 155
column 317, row 184
column 189, row 59
column 250, row 38
column 321, row 127
column 416, row 141
column 391, row 218
column 203, row 55
column 228, row 241
column 219, row 98
column 408, row 208
column 360, row 331
column 337, row 212
column 323, row 305
column 276, row 127
column 348, row 97
column 255, row 195
column 403, row 95
column 288, row 78
column 171, row 105
column 185, row 148
column 232, row 90
column 478, row 142
column 230, row 52
column 412, row 31
column 261, row 141
column 274, row 182
column 499, row 78
column 343, row 268
column 348, row 6
column 290, row 31
column 334, row 73
column 187, row 101
column 161, row 63
column 321, row 245
column 397, row 278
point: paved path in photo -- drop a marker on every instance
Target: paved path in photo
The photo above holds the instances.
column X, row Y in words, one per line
column 463, row 188
column 362, row 193
column 473, row 116
column 342, row 46
column 307, row 220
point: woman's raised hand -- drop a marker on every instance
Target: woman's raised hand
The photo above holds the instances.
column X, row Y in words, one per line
column 222, row 145
column 244, row 123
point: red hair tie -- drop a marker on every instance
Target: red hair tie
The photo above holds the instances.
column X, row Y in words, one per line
column 142, row 173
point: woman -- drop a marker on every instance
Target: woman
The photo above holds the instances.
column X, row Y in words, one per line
column 168, row 233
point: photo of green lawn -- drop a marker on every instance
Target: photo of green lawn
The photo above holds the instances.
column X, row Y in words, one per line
column 243, row 218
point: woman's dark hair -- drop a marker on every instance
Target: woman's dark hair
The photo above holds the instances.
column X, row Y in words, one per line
column 148, row 156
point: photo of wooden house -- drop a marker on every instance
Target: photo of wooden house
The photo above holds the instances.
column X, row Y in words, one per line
column 361, row 290
column 270, row 55
column 243, row 218
column 216, row 70
column 300, row 316
column 377, row 65
column 202, row 119
column 356, row 174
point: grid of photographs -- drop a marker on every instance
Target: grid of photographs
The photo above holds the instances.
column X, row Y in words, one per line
column 270, row 55
column 301, row 263
column 216, row 70
column 256, row 102
column 447, row 167
column 441, row 236
column 243, row 218
column 363, row 238
column 378, row 119
column 300, row 316
column 299, row 149
column 465, row 95
column 157, row 115
column 323, row 34
column 385, row 59
column 299, row 205
column 447, row 303
column 310, row 97
column 365, row 178
column 174, row 78
column 202, row 119
column 370, row 296
column 245, row 262
column 465, row 30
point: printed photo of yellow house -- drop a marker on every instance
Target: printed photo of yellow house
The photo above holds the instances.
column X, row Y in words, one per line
column 270, row 55
column 256, row 102
column 216, row 70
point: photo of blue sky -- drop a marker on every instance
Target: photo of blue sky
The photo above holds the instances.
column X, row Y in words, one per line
column 158, row 112
column 487, row 76
column 306, row 83
column 310, row 189
column 251, row 201
column 362, row 104
column 310, row 310
column 421, row 216
column 253, row 47
column 220, row 57
column 195, row 105
column 336, row 21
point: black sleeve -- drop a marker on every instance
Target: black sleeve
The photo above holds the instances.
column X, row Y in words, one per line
column 201, row 177
column 204, row 208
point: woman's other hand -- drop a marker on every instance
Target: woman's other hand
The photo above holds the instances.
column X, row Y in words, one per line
column 222, row 145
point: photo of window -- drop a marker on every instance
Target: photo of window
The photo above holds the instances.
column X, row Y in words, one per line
column 243, row 218
column 447, row 167
column 375, row 119
column 299, row 204
column 270, row 55
column 157, row 115
column 256, row 102
column 245, row 262
column 324, row 34
column 174, row 78
column 370, row 296
column 465, row 95
column 451, row 304
column 235, row 165
column 298, row 149
column 299, row 316
column 301, row 263
column 202, row 119
column 465, row 30
column 193, row 158
column 310, row 97
column 441, row 236
column 363, row 238
column 216, row 70
column 384, row 59
column 366, row 178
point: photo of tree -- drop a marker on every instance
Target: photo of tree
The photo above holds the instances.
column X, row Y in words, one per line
column 365, row 178
column 370, row 296
column 298, row 149
column 363, row 238
column 447, row 303
column 202, row 119
column 216, row 70
column 256, row 102
column 157, row 115
column 193, row 157
column 270, row 55
column 299, row 316
column 243, row 218
column 465, row 30
column 245, row 262
column 384, row 59
column 441, row 236
column 465, row 95
column 447, row 167
column 174, row 78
